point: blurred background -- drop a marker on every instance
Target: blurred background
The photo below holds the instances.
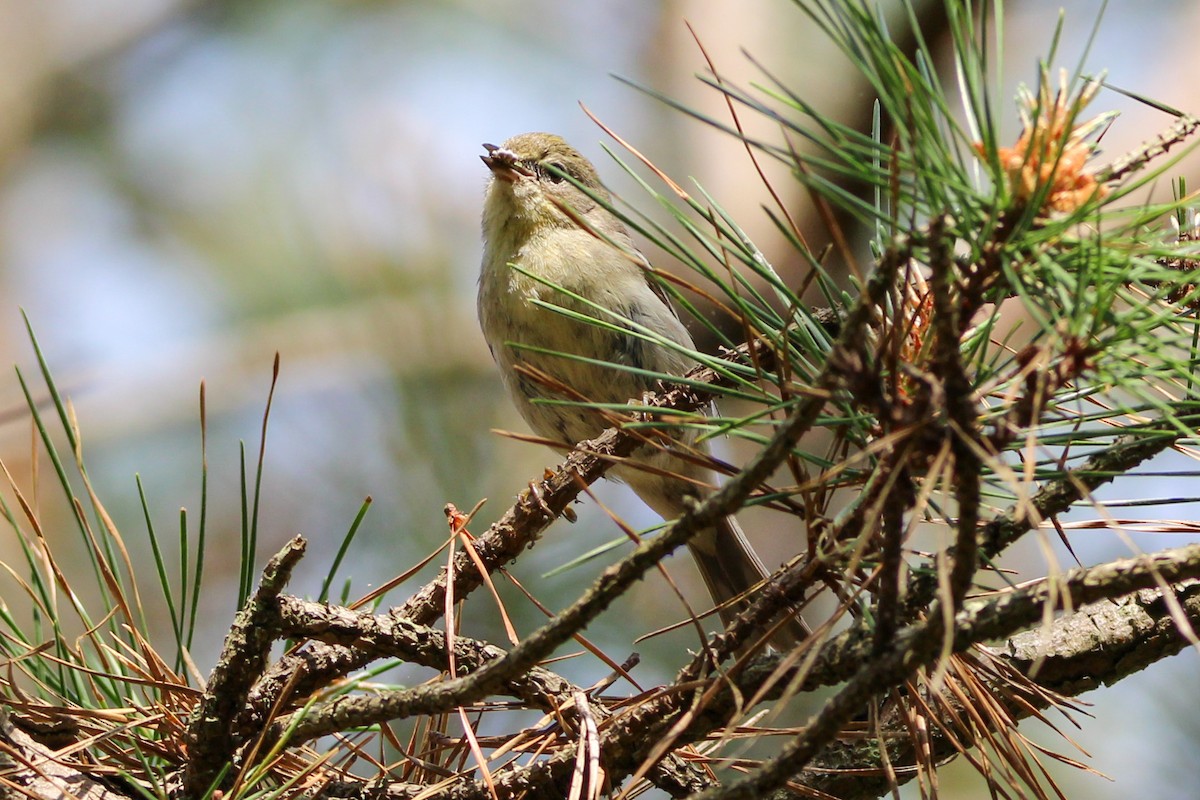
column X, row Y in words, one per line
column 187, row 188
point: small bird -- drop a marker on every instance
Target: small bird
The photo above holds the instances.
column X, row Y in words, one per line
column 534, row 250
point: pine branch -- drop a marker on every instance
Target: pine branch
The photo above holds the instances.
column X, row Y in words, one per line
column 242, row 661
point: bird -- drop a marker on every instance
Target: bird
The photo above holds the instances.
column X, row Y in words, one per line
column 550, row 239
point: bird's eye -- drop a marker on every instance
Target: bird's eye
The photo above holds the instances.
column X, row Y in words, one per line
column 555, row 173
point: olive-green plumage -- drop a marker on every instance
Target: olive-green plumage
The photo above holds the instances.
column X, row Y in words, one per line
column 531, row 221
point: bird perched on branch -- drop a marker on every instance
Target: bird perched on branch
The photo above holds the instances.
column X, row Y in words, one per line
column 549, row 240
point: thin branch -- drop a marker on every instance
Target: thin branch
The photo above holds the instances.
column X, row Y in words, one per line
column 243, row 659
column 391, row 635
column 1057, row 497
column 1181, row 129
column 961, row 409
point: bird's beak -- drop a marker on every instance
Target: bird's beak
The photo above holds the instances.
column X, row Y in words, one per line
column 504, row 164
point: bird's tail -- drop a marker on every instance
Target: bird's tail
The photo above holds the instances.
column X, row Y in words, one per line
column 732, row 571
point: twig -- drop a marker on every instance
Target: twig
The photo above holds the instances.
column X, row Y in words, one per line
column 892, row 559
column 243, row 659
column 390, row 635
column 1056, row 497
column 1014, row 609
column 961, row 409
column 1181, row 129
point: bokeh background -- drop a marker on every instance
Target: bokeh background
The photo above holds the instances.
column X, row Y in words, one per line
column 187, row 188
